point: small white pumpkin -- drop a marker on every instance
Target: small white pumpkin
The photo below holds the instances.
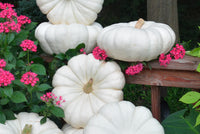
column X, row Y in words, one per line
column 70, row 11
column 87, row 84
column 136, row 41
column 123, row 118
column 59, row 38
column 29, row 123
column 67, row 129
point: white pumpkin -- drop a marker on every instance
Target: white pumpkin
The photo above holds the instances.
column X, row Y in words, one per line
column 123, row 118
column 142, row 42
column 59, row 38
column 70, row 11
column 67, row 129
column 87, row 84
column 29, row 123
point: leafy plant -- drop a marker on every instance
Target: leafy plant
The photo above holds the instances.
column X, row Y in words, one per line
column 23, row 77
column 193, row 97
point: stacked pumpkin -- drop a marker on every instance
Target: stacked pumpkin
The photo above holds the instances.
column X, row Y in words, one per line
column 71, row 22
column 93, row 88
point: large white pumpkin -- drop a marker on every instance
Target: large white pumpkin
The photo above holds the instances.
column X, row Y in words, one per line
column 87, row 84
column 142, row 42
column 17, row 126
column 67, row 129
column 70, row 11
column 123, row 118
column 59, row 38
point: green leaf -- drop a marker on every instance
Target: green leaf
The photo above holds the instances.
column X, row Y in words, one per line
column 60, row 56
column 11, row 37
column 196, row 104
column 82, row 45
column 31, row 26
column 22, row 35
column 22, row 54
column 43, row 120
column 190, row 97
column 198, row 68
column 43, row 87
column 38, row 69
column 2, row 117
column 57, row 111
column 38, row 94
column 4, row 101
column 177, row 124
column 9, row 114
column 8, row 91
column 195, row 52
column 8, row 55
column 197, row 120
column 18, row 97
column 18, row 83
column 10, row 66
column 20, row 63
column 36, row 109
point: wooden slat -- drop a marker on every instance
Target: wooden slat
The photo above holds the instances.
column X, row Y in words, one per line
column 169, row 78
column 188, row 63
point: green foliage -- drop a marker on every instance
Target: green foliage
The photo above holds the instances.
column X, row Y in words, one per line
column 31, row 10
column 178, row 123
column 192, row 97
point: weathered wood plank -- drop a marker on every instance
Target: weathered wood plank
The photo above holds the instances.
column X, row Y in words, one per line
column 169, row 78
column 188, row 63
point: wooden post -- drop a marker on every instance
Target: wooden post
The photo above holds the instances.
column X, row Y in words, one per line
column 164, row 11
column 155, row 102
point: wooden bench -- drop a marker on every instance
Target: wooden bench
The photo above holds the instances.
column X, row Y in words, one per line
column 179, row 73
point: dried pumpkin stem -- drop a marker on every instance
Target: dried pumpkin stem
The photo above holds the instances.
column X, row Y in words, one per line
column 88, row 87
column 139, row 23
column 27, row 129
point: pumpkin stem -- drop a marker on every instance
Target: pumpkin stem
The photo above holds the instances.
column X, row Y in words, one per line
column 27, row 129
column 88, row 86
column 139, row 23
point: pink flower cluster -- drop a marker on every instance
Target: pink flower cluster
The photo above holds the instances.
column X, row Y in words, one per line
column 99, row 53
column 28, row 45
column 177, row 52
column 6, row 77
column 82, row 51
column 6, row 5
column 164, row 59
column 2, row 63
column 13, row 23
column 29, row 78
column 132, row 70
column 51, row 97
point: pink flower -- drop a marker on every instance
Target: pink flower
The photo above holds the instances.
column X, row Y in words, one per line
column 22, row 19
column 82, row 51
column 5, row 5
column 164, row 60
column 2, row 63
column 28, row 45
column 132, row 70
column 29, row 78
column 6, row 77
column 50, row 97
column 178, row 52
column 99, row 53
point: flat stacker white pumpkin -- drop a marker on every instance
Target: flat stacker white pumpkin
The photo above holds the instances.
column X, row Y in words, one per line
column 70, row 11
column 87, row 84
column 136, row 41
column 59, row 38
column 123, row 118
column 29, row 123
